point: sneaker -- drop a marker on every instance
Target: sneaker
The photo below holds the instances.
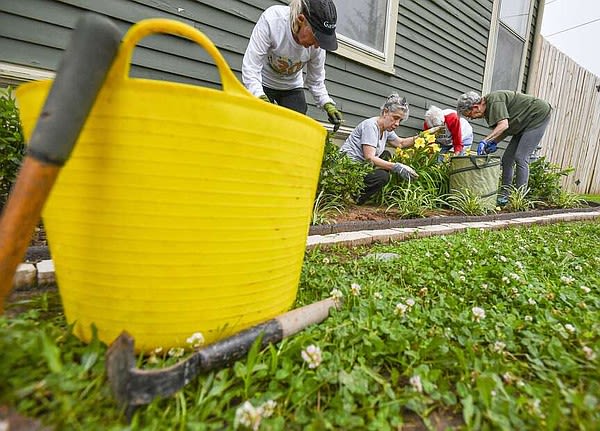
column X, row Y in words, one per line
column 502, row 201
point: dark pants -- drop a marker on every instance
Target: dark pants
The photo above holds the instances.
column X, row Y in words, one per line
column 291, row 99
column 375, row 181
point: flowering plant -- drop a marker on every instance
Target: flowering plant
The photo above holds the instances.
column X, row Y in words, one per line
column 422, row 154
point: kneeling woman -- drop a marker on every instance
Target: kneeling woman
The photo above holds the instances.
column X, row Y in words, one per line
column 366, row 144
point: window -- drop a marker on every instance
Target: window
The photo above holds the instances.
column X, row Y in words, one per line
column 507, row 45
column 366, row 32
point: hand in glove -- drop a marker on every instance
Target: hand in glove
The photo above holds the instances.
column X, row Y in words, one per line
column 486, row 147
column 334, row 116
column 404, row 171
column 264, row 97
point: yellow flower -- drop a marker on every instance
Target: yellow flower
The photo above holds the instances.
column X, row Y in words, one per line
column 399, row 151
column 419, row 142
column 429, row 138
column 435, row 148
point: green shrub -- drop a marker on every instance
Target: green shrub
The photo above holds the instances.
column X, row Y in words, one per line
column 340, row 177
column 12, row 145
column 544, row 180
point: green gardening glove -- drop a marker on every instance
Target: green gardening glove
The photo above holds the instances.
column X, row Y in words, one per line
column 335, row 116
column 264, row 97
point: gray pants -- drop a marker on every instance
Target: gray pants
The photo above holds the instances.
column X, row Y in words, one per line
column 518, row 152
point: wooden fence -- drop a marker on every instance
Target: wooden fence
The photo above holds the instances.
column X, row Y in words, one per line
column 573, row 136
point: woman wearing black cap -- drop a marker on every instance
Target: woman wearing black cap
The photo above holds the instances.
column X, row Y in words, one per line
column 284, row 40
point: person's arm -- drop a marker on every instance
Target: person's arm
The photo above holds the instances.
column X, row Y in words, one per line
column 315, row 77
column 497, row 134
column 253, row 61
column 399, row 142
column 453, row 124
column 369, row 155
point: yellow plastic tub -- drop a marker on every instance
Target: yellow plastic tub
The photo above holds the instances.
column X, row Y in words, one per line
column 183, row 209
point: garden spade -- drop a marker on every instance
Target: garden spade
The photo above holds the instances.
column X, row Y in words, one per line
column 133, row 387
column 80, row 75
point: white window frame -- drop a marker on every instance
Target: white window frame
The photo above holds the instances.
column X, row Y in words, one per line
column 361, row 53
column 493, row 41
column 12, row 73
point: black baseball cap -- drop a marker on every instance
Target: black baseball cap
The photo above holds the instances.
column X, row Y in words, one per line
column 322, row 17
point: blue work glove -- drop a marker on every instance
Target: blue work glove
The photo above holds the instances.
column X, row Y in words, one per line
column 334, row 116
column 404, row 171
column 486, row 147
column 491, row 147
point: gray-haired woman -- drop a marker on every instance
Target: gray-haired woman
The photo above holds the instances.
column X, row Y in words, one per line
column 509, row 113
column 367, row 142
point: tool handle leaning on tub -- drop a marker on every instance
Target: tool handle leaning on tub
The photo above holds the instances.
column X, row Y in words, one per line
column 83, row 68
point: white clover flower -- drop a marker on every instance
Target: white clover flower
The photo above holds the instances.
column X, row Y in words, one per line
column 484, row 286
column 158, row 351
column 462, row 278
column 196, row 340
column 312, row 356
column 585, row 289
column 176, row 352
column 519, row 265
column 528, row 319
column 505, row 280
column 423, row 291
column 337, row 296
column 590, row 355
column 427, row 254
column 515, row 276
column 355, row 289
column 447, row 255
column 498, row 346
column 410, row 302
column 325, row 260
column 248, row 416
column 570, row 328
column 378, row 295
column 400, row 309
column 502, row 259
column 478, row 313
column 567, row 279
column 508, row 378
column 415, row 382
column 267, row 409
column 578, row 268
column 531, row 301
column 515, row 291
column 469, row 262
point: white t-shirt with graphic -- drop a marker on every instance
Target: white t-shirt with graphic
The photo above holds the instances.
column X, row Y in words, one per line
column 275, row 60
column 366, row 133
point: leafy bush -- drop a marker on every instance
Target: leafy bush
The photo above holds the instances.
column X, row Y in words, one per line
column 340, row 177
column 544, row 180
column 12, row 145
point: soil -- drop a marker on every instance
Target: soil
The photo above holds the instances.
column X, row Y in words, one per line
column 373, row 213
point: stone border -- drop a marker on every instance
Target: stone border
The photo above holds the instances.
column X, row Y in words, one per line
column 41, row 274
column 326, row 229
column 443, row 227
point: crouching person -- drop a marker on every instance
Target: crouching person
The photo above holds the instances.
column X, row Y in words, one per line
column 367, row 142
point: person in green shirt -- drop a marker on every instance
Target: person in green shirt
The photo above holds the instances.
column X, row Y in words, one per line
column 509, row 113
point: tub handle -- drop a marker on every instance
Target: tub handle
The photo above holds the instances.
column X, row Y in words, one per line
column 147, row 27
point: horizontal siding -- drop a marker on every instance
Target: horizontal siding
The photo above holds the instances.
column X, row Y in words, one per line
column 440, row 50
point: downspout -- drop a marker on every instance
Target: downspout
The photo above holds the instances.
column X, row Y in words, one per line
column 536, row 49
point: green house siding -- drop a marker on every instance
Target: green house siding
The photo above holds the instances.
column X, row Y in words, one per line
column 440, row 49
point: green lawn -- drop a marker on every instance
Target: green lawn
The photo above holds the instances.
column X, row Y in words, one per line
column 500, row 329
